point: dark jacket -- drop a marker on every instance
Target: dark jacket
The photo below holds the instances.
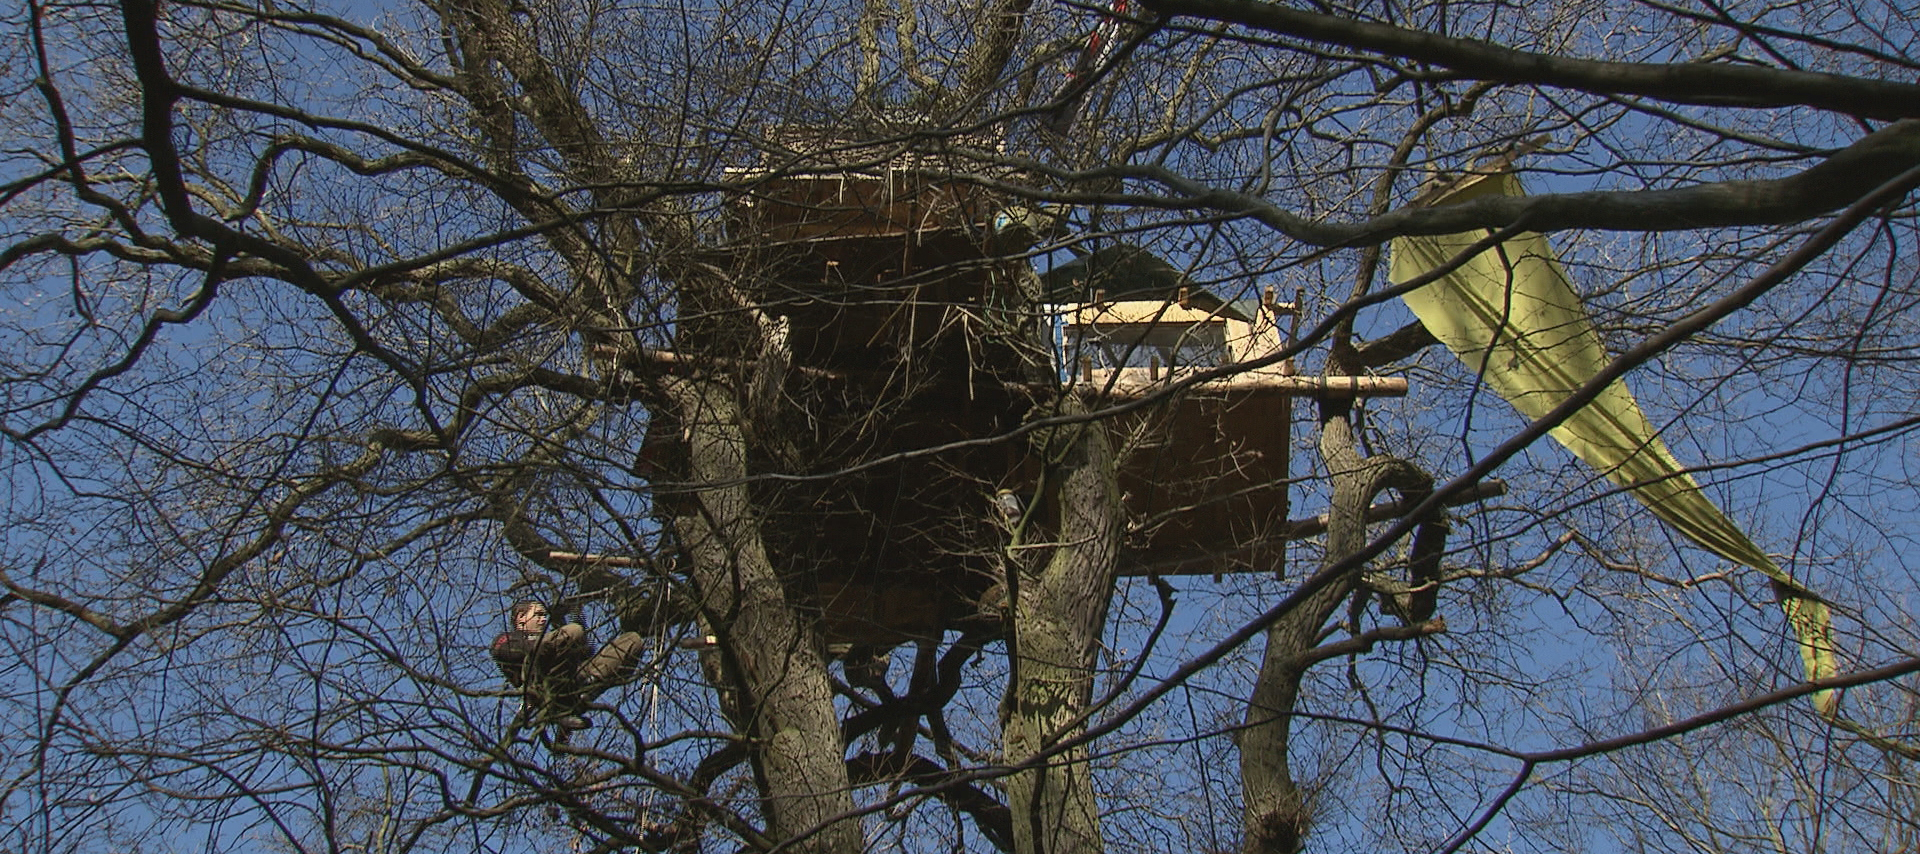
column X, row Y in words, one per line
column 525, row 657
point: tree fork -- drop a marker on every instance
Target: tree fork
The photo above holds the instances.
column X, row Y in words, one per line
column 1278, row 812
column 1059, row 611
column 769, row 652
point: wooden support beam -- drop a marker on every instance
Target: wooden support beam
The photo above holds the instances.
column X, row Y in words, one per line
column 671, row 360
column 1125, row 387
column 601, row 560
column 1129, row 388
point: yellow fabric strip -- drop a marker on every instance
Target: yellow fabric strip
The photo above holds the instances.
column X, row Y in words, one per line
column 1512, row 317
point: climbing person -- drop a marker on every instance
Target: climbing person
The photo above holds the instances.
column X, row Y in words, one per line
column 559, row 672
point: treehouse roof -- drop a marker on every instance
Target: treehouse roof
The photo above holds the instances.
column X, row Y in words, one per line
column 1125, row 272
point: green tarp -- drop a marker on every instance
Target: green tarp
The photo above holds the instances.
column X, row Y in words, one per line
column 1511, row 316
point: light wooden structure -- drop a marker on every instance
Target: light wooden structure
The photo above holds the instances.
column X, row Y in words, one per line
column 1205, row 467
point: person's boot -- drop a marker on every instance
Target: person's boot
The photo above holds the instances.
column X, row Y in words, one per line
column 573, row 723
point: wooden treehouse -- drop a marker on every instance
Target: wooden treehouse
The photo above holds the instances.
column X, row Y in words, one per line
column 920, row 338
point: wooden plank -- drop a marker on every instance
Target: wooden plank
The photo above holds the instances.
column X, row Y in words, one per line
column 1132, row 387
column 1120, row 389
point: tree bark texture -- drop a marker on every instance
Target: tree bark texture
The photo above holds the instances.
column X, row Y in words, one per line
column 1059, row 611
column 769, row 650
column 1278, row 812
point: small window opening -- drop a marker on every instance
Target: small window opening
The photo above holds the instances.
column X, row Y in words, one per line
column 1157, row 347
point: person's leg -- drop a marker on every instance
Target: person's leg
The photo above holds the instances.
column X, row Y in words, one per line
column 615, row 661
column 567, row 635
column 571, row 694
column 610, row 664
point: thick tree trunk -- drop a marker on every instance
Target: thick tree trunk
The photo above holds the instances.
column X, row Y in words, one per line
column 1278, row 812
column 1059, row 611
column 771, row 656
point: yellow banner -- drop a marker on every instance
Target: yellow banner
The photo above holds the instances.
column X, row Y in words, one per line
column 1511, row 316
